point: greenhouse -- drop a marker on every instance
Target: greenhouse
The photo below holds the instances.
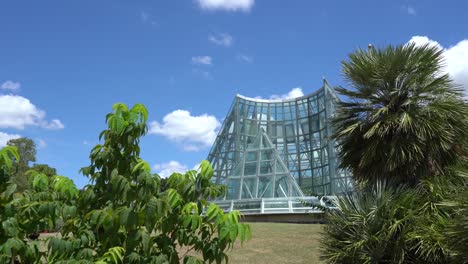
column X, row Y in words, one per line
column 271, row 154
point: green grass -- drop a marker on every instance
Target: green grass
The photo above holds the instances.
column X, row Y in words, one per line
column 273, row 243
column 279, row 243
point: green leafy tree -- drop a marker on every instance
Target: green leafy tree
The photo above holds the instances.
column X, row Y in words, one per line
column 27, row 153
column 23, row 215
column 122, row 216
column 403, row 119
column 44, row 169
column 8, row 155
column 123, row 208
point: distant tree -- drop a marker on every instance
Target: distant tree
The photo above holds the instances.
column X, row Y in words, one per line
column 45, row 169
column 164, row 184
column 27, row 153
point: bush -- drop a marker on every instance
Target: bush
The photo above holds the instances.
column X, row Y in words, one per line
column 385, row 224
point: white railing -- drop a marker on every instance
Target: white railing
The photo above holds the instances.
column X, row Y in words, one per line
column 306, row 204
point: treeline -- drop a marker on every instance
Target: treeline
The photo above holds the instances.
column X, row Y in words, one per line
column 27, row 154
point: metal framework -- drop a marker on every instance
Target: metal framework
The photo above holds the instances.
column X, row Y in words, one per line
column 278, row 149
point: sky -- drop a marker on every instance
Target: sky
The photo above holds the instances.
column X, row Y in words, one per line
column 63, row 64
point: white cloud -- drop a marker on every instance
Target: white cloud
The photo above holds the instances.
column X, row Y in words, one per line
column 227, row 5
column 223, row 39
column 191, row 132
column 206, row 60
column 53, row 125
column 147, row 18
column 166, row 169
column 294, row 93
column 4, row 138
column 410, row 10
column 18, row 112
column 456, row 58
column 41, row 143
column 203, row 73
column 245, row 58
column 10, row 85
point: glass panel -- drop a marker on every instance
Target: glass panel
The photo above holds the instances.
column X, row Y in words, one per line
column 250, row 168
column 266, row 167
column 305, row 126
column 265, row 187
column 281, row 186
column 233, row 186
column 271, row 129
column 251, row 156
column 280, row 168
column 315, row 123
column 267, row 154
column 279, row 130
column 237, row 170
column 249, row 188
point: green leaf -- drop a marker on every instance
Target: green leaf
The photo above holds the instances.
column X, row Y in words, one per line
column 40, row 182
column 206, row 169
column 116, row 123
column 141, row 110
column 113, row 255
column 141, row 165
column 212, row 211
column 174, row 197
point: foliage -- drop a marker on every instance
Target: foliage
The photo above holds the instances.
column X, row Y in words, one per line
column 404, row 118
column 27, row 153
column 402, row 133
column 457, row 234
column 44, row 169
column 8, row 155
column 122, row 216
column 386, row 224
column 26, row 214
column 124, row 205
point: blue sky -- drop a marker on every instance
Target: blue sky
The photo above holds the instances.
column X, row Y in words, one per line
column 64, row 63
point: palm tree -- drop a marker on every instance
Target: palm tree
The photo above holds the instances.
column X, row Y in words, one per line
column 404, row 118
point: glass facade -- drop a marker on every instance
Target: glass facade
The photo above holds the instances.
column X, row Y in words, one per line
column 279, row 148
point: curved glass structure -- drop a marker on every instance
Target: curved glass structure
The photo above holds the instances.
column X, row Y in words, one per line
column 279, row 148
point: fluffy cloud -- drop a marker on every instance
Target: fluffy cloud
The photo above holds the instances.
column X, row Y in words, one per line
column 53, row 125
column 227, row 5
column 166, row 169
column 4, row 138
column 456, row 58
column 191, row 132
column 294, row 93
column 10, row 85
column 41, row 143
column 410, row 10
column 18, row 112
column 147, row 18
column 221, row 39
column 206, row 60
column 245, row 58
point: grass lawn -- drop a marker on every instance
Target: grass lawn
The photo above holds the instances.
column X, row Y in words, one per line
column 279, row 243
column 273, row 243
